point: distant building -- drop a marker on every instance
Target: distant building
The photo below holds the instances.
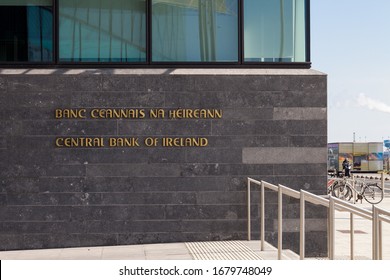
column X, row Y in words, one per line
column 362, row 156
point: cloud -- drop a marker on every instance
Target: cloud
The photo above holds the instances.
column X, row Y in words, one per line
column 372, row 104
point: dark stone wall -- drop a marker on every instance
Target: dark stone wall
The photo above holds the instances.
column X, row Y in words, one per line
column 274, row 128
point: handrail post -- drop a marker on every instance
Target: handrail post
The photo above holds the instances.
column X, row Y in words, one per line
column 380, row 240
column 353, row 189
column 374, row 233
column 383, row 183
column 377, row 216
column 332, row 230
column 262, row 219
column 352, row 235
column 302, row 226
column 329, row 227
column 249, row 209
column 280, row 222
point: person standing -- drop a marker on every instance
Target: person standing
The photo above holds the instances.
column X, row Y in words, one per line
column 346, row 167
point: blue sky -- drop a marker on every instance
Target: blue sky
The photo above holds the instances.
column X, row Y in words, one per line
column 350, row 41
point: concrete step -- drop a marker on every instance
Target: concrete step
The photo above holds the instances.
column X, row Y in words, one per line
column 270, row 252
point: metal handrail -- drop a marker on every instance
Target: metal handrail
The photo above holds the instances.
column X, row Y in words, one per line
column 377, row 216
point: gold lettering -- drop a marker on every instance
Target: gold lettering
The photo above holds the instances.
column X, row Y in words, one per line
column 123, row 142
column 58, row 113
column 184, row 142
column 98, row 142
column 94, row 113
column 191, row 142
column 88, row 142
column 204, row 142
column 157, row 113
column 195, row 114
column 131, row 142
column 176, row 142
column 117, row 113
column 59, row 142
column 67, row 142
column 105, row 114
column 218, row 114
column 112, row 142
column 70, row 113
column 72, row 142
column 167, row 142
column 172, row 114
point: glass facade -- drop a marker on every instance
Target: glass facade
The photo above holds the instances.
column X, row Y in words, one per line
column 147, row 32
column 195, row 31
column 26, row 31
column 102, row 30
column 274, row 31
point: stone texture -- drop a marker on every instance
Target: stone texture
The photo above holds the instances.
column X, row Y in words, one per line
column 292, row 225
column 307, row 141
column 300, row 114
column 165, row 127
column 214, row 155
column 67, row 127
column 53, row 83
column 288, row 155
column 117, row 99
column 3, row 143
column 273, row 128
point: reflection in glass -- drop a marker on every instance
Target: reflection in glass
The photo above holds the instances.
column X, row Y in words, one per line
column 102, row 30
column 274, row 30
column 26, row 31
column 195, row 30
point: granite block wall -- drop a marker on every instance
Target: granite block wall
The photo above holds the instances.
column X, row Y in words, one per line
column 273, row 128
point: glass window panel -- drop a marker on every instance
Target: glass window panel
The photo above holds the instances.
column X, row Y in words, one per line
column 102, row 30
column 274, row 30
column 195, row 30
column 26, row 31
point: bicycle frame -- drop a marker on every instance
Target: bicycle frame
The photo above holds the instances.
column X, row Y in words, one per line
column 350, row 184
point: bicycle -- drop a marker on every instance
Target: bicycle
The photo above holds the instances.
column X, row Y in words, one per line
column 331, row 185
column 337, row 188
column 371, row 192
column 334, row 178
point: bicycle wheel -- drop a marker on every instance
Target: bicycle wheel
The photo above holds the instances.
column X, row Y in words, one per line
column 331, row 187
column 373, row 193
column 343, row 192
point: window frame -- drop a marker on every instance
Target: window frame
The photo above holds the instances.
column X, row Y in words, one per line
column 241, row 63
column 100, row 64
column 34, row 63
column 173, row 63
column 306, row 64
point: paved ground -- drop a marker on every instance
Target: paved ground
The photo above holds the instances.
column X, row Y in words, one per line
column 245, row 250
column 363, row 237
column 362, row 227
column 171, row 251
